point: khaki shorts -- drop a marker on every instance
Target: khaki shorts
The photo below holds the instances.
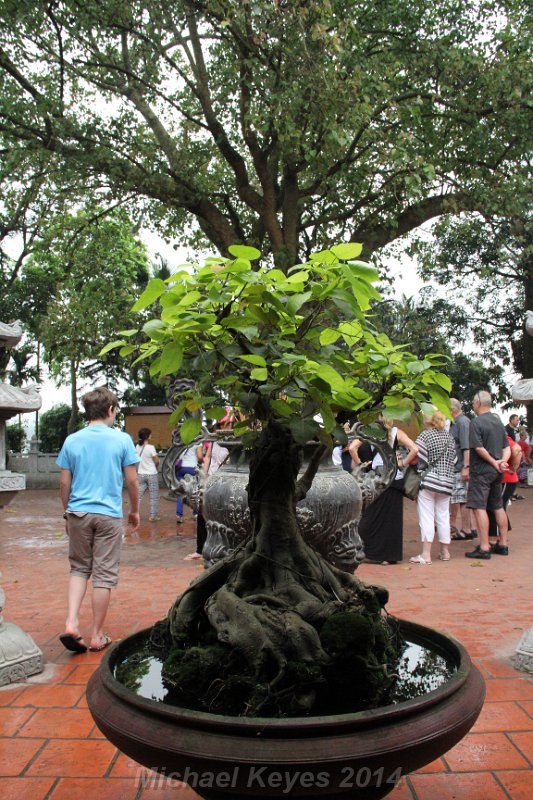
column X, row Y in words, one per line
column 460, row 489
column 95, row 542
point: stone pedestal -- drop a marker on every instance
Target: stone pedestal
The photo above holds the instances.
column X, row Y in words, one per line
column 523, row 659
column 19, row 655
column 10, row 484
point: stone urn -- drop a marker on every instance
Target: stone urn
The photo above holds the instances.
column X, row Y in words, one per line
column 353, row 755
column 328, row 516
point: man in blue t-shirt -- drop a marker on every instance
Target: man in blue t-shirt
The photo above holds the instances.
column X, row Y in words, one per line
column 95, row 463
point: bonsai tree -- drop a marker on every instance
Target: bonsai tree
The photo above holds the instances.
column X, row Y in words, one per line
column 274, row 629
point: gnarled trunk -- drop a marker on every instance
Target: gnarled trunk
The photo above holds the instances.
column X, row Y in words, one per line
column 274, row 629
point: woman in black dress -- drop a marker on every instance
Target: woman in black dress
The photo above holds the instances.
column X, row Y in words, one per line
column 381, row 524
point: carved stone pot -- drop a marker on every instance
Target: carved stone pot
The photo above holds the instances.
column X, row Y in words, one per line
column 328, row 516
column 354, row 755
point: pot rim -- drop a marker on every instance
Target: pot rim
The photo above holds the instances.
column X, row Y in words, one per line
column 419, row 634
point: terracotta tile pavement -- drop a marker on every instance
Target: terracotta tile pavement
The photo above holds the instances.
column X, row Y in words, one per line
column 50, row 748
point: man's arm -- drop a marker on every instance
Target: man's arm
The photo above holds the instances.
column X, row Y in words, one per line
column 65, row 482
column 132, row 488
column 500, row 464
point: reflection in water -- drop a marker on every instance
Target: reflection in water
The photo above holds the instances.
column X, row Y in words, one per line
column 420, row 670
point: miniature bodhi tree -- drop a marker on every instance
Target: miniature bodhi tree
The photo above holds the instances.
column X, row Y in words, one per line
column 274, row 629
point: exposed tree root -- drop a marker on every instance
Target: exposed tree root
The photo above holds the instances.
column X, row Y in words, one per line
column 274, row 629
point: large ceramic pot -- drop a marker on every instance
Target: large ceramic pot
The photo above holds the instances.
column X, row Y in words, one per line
column 357, row 755
column 328, row 517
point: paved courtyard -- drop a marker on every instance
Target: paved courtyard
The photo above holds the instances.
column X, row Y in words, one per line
column 50, row 748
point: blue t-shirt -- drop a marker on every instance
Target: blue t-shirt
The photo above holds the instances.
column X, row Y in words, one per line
column 96, row 457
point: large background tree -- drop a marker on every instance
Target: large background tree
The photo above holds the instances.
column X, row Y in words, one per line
column 279, row 124
column 433, row 324
column 486, row 265
column 92, row 268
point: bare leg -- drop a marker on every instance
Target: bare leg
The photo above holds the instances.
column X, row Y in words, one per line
column 482, row 522
column 454, row 508
column 100, row 603
column 503, row 525
column 466, row 518
column 77, row 587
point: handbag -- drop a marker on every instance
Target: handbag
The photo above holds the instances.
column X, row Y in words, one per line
column 178, row 464
column 412, row 479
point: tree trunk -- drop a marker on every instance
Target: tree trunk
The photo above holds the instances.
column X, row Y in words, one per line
column 274, row 629
column 74, row 413
column 528, row 340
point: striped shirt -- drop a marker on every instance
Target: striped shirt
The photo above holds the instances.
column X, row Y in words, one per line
column 436, row 449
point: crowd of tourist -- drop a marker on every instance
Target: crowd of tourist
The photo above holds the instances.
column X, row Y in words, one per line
column 468, row 473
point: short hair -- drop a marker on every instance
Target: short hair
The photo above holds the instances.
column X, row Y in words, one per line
column 98, row 401
column 143, row 434
column 455, row 404
column 438, row 421
column 484, row 398
column 513, row 416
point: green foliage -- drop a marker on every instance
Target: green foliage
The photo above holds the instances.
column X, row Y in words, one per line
column 487, row 264
column 282, row 125
column 88, row 269
column 284, row 348
column 53, row 427
column 16, row 438
column 431, row 324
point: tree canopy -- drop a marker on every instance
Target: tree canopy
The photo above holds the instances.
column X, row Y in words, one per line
column 283, row 125
column 486, row 263
column 283, row 348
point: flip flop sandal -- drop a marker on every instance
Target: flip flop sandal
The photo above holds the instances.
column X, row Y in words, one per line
column 107, row 641
column 459, row 536
column 419, row 560
column 444, row 558
column 73, row 643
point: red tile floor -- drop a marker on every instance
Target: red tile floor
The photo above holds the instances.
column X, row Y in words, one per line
column 50, row 748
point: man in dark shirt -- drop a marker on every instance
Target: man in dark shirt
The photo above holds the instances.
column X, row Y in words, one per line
column 489, row 455
column 512, row 427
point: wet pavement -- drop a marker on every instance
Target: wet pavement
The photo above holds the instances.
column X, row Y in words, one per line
column 50, row 748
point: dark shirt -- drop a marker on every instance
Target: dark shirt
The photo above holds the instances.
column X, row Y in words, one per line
column 512, row 432
column 460, row 430
column 486, row 431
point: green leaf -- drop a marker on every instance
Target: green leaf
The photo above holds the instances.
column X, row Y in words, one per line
column 243, row 251
column 216, row 412
column 127, row 350
column 329, row 336
column 111, row 346
column 302, row 276
column 347, row 251
column 252, row 359
column 295, row 302
column 365, row 271
column 129, row 332
column 416, row 367
column 304, row 430
column 155, row 289
column 282, row 408
column 330, row 376
column 443, row 380
column 324, row 257
column 152, row 326
column 259, row 374
column 171, row 358
column 190, row 429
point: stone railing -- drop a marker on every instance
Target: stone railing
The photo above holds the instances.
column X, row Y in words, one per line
column 40, row 469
